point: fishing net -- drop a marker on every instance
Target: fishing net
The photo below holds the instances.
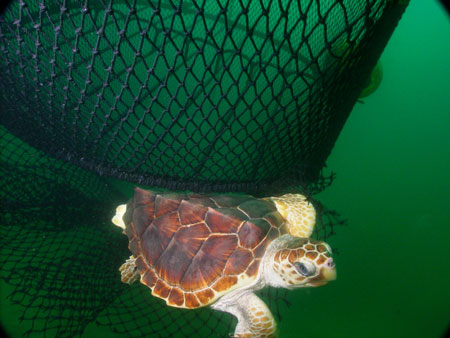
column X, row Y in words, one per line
column 209, row 96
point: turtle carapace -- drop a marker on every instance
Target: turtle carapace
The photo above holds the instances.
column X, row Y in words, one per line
column 196, row 250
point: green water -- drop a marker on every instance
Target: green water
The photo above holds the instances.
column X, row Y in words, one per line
column 393, row 163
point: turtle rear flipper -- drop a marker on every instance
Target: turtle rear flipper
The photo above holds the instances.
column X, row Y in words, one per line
column 128, row 271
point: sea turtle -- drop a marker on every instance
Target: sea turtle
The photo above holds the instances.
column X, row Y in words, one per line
column 195, row 250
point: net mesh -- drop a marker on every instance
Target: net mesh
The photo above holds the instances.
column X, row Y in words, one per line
column 243, row 96
column 61, row 254
column 200, row 95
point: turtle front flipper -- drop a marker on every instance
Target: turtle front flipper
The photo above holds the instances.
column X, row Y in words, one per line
column 128, row 271
column 254, row 317
column 298, row 212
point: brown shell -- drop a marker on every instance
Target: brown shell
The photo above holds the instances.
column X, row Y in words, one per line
column 190, row 248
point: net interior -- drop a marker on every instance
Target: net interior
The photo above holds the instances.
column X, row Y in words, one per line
column 201, row 95
column 244, row 96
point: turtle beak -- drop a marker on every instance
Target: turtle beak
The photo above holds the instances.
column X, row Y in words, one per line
column 327, row 274
column 328, row 271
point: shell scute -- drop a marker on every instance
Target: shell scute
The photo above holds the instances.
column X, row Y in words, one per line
column 261, row 248
column 233, row 212
column 161, row 289
column 221, row 223
column 208, row 263
column 230, row 201
column 165, row 205
column 262, row 224
column 191, row 213
column 149, row 278
column 203, row 201
column 252, row 270
column 140, row 263
column 205, row 296
column 238, row 262
column 225, row 283
column 176, row 297
column 142, row 218
column 256, row 208
column 275, row 219
column 155, row 239
column 250, row 235
column 133, row 245
column 191, row 300
column 143, row 197
column 178, row 255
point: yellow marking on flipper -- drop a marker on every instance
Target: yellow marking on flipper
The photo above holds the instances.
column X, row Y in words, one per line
column 262, row 323
column 298, row 212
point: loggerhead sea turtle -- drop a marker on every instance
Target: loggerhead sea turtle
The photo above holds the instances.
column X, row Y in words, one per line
column 196, row 250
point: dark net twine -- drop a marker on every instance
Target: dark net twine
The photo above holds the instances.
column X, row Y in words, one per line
column 200, row 95
column 61, row 254
column 244, row 96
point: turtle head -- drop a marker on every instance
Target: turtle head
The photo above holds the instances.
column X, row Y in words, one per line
column 303, row 263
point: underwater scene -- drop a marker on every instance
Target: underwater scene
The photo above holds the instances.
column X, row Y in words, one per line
column 380, row 267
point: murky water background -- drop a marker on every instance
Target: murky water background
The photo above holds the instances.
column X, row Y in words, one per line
column 392, row 161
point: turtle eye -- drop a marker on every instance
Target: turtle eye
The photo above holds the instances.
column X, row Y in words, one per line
column 305, row 269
